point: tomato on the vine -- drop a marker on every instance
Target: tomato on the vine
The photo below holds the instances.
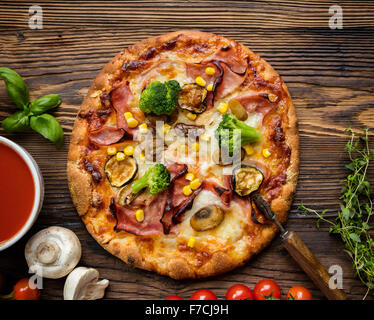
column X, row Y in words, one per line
column 174, row 298
column 299, row 293
column 22, row 291
column 267, row 289
column 239, row 292
column 203, row 294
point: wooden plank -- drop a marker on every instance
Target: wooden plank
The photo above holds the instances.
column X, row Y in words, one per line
column 329, row 74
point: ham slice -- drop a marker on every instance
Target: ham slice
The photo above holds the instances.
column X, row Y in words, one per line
column 229, row 55
column 224, row 80
column 153, row 209
column 106, row 136
column 256, row 102
column 120, row 98
column 224, row 192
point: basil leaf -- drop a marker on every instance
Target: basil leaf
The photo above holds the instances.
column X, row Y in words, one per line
column 16, row 88
column 48, row 127
column 18, row 121
column 45, row 103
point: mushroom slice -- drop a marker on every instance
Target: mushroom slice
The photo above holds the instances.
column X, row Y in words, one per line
column 192, row 98
column 83, row 284
column 121, row 172
column 238, row 110
column 207, row 218
column 53, row 252
column 246, row 180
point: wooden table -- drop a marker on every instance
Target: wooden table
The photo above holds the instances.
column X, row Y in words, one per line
column 329, row 73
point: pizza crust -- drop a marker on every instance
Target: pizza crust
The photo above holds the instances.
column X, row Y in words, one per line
column 134, row 250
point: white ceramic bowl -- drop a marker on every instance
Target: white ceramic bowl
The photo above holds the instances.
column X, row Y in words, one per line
column 39, row 192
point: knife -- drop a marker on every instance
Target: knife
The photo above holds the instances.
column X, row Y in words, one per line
column 301, row 253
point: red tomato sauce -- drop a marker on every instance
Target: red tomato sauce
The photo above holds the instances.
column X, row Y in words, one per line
column 17, row 192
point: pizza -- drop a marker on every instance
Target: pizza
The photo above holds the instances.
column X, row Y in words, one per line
column 175, row 136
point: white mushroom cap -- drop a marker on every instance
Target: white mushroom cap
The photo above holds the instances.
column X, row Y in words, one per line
column 82, row 284
column 53, row 252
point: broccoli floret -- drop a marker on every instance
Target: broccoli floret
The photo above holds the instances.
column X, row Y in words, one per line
column 228, row 139
column 160, row 98
column 156, row 179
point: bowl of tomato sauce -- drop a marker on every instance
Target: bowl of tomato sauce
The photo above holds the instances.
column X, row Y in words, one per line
column 21, row 192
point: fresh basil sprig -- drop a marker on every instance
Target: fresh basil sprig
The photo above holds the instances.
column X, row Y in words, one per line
column 32, row 114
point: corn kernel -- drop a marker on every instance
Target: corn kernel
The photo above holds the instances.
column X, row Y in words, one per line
column 183, row 148
column 195, row 184
column 205, row 136
column 200, row 81
column 139, row 214
column 272, row 97
column 187, row 190
column 142, row 156
column 132, row 123
column 166, row 128
column 128, row 115
column 222, row 107
column 120, row 156
column 210, row 71
column 191, row 242
column 266, row 153
column 196, row 146
column 111, row 151
column 209, row 87
column 143, row 128
column 190, row 176
column 248, row 149
column 129, row 150
column 191, row 116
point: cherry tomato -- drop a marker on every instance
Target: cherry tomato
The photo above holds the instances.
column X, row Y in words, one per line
column 203, row 294
column 174, row 298
column 266, row 289
column 239, row 292
column 22, row 291
column 299, row 293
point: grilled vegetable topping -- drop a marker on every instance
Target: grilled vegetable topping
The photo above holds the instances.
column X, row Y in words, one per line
column 121, row 172
column 246, row 180
column 192, row 98
column 238, row 110
column 207, row 218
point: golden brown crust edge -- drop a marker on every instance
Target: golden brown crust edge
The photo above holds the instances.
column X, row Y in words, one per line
column 128, row 251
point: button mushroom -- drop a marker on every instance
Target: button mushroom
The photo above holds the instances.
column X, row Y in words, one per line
column 53, row 252
column 207, row 218
column 83, row 284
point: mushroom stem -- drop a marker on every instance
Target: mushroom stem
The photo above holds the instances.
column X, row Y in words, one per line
column 48, row 252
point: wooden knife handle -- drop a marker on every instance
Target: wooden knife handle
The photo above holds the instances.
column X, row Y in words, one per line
column 310, row 264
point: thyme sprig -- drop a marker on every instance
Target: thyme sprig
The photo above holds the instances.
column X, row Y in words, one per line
column 353, row 223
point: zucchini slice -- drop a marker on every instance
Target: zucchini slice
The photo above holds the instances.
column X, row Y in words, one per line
column 246, row 180
column 122, row 172
column 192, row 98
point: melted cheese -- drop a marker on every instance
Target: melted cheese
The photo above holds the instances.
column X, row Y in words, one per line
column 230, row 229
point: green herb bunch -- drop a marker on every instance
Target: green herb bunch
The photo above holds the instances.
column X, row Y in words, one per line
column 31, row 114
column 356, row 210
